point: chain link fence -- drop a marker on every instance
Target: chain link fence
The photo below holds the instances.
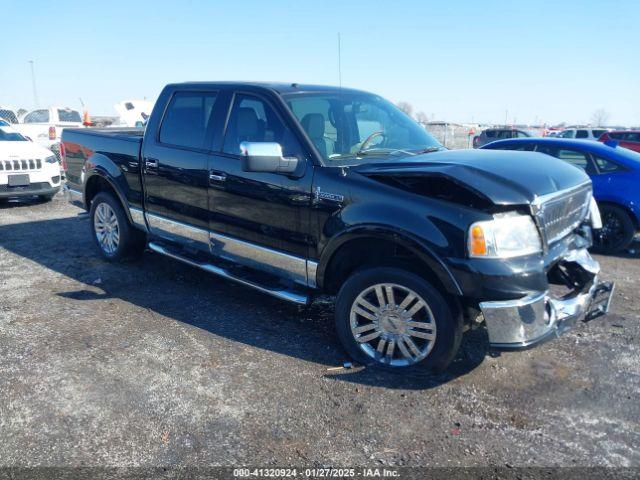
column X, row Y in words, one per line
column 451, row 135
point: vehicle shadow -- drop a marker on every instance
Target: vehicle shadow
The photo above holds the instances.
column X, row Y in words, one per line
column 185, row 294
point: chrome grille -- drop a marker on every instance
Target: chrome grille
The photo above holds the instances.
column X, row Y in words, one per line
column 561, row 213
column 20, row 165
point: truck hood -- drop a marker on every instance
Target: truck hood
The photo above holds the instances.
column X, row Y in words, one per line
column 502, row 177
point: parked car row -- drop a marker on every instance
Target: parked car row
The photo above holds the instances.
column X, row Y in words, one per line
column 26, row 168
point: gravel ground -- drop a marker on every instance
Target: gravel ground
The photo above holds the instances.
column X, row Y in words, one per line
column 158, row 364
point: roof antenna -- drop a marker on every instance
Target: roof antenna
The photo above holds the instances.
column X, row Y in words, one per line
column 339, row 63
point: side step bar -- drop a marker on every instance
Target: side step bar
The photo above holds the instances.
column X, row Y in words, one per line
column 277, row 291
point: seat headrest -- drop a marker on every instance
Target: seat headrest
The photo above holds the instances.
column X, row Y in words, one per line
column 313, row 124
column 247, row 123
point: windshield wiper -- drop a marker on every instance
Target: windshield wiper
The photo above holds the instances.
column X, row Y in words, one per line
column 387, row 151
column 428, row 150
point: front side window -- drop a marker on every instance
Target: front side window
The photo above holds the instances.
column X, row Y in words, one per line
column 597, row 133
column 567, row 134
column 575, row 158
column 187, row 119
column 37, row 116
column 65, row 115
column 346, row 127
column 582, row 134
column 632, row 137
column 254, row 120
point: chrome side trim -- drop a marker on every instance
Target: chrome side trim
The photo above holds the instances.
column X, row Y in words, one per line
column 312, row 270
column 177, row 231
column 137, row 216
column 276, row 292
column 72, row 196
column 261, row 258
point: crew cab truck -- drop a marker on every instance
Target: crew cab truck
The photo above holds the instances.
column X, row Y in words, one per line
column 296, row 190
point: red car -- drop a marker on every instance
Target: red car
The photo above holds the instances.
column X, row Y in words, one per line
column 626, row 138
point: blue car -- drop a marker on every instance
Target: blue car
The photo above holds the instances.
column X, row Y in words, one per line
column 615, row 173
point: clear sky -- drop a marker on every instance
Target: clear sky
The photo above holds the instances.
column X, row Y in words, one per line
column 455, row 60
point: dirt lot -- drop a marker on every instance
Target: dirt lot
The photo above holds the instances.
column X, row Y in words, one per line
column 156, row 363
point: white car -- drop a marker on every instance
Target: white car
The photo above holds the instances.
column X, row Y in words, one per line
column 26, row 168
column 45, row 125
column 582, row 133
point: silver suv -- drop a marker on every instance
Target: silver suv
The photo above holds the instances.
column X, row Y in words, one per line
column 492, row 134
column 582, row 133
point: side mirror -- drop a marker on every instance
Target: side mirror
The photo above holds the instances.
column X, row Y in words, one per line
column 266, row 157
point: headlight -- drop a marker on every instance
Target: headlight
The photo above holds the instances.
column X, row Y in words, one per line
column 504, row 237
column 51, row 159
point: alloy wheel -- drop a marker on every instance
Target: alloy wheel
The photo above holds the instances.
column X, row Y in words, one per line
column 107, row 230
column 393, row 325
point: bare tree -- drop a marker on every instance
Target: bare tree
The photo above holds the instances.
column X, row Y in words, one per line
column 406, row 107
column 422, row 117
column 600, row 117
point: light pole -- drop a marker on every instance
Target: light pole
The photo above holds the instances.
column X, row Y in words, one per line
column 33, row 83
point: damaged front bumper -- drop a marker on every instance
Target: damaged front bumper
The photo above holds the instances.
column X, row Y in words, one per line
column 528, row 321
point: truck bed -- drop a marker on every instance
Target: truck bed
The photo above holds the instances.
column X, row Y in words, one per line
column 113, row 148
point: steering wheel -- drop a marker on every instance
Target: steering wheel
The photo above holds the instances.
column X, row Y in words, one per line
column 367, row 141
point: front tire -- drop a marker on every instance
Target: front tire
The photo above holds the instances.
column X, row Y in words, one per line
column 115, row 237
column 617, row 230
column 393, row 318
column 46, row 198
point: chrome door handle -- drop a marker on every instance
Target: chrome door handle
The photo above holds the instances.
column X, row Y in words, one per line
column 217, row 176
column 151, row 163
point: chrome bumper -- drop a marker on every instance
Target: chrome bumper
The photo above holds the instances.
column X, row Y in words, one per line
column 522, row 323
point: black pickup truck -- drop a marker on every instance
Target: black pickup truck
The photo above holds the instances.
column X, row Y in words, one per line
column 296, row 190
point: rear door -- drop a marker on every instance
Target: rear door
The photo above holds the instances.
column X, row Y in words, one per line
column 175, row 158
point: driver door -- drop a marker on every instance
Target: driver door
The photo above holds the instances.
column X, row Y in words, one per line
column 260, row 219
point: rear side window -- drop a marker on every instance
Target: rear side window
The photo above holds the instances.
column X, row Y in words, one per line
column 616, row 135
column 490, row 133
column 187, row 118
column 68, row 116
column 607, row 166
column 597, row 133
column 582, row 134
column 37, row 116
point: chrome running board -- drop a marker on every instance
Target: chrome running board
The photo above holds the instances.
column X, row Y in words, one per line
column 278, row 291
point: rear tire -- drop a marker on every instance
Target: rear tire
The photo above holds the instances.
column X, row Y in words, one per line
column 116, row 239
column 46, row 198
column 617, row 230
column 380, row 320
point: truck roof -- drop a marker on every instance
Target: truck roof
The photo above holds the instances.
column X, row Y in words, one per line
column 279, row 87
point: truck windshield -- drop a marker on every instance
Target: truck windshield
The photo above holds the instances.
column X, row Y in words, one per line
column 353, row 127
